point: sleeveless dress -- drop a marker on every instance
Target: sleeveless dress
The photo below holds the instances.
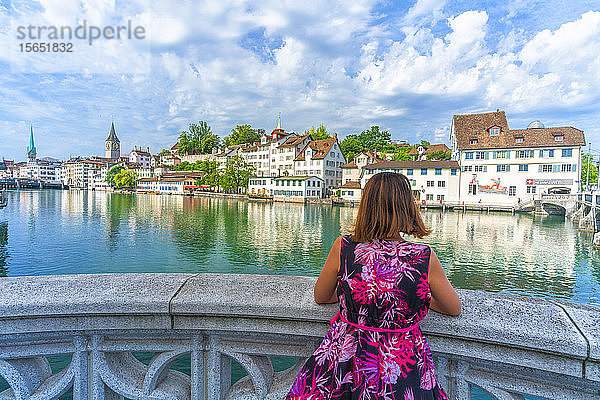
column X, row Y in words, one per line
column 374, row 348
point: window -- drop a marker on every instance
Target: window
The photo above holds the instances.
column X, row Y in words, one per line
column 429, row 197
column 502, row 154
column 481, row 155
column 558, row 138
column 479, row 168
column 409, row 171
column 545, row 168
column 567, row 152
column 530, row 189
column 524, row 154
column 453, row 171
column 519, row 140
column 423, row 171
column 512, row 190
column 438, row 171
column 430, row 183
column 494, row 131
column 413, row 182
column 469, row 155
column 467, row 168
column 502, row 168
column 473, row 141
column 566, row 167
column 440, row 197
column 523, row 167
column 472, row 189
column 441, row 184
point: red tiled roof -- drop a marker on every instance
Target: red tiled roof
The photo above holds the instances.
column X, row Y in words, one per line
column 321, row 147
column 351, row 164
column 472, row 133
column 351, row 185
column 429, row 149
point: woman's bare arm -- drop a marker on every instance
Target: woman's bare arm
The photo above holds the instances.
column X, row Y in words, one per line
column 444, row 298
column 325, row 288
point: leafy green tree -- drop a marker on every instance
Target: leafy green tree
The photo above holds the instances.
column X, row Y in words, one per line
column 125, row 178
column 318, row 133
column 236, row 174
column 372, row 139
column 198, row 139
column 402, row 154
column 241, row 134
column 164, row 152
column 438, row 155
column 588, row 163
column 110, row 175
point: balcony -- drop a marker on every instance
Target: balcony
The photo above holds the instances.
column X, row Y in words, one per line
column 507, row 346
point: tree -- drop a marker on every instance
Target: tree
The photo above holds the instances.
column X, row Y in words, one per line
column 402, row 154
column 164, row 152
column 371, row 139
column 110, row 175
column 237, row 174
column 241, row 134
column 588, row 163
column 438, row 155
column 125, row 178
column 198, row 139
column 319, row 133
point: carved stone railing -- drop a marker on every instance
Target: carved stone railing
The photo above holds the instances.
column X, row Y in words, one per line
column 505, row 345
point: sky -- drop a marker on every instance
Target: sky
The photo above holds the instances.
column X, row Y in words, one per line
column 405, row 66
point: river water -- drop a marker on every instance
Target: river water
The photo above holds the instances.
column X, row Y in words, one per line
column 80, row 232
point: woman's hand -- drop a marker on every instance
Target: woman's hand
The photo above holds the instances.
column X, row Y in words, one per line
column 444, row 298
column 326, row 286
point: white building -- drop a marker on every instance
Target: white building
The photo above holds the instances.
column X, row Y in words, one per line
column 322, row 158
column 353, row 170
column 432, row 182
column 501, row 166
column 287, row 188
column 80, row 173
column 174, row 183
column 140, row 157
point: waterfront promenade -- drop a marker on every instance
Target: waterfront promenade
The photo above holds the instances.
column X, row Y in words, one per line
column 506, row 345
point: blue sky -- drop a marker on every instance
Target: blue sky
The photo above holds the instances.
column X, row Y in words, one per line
column 405, row 66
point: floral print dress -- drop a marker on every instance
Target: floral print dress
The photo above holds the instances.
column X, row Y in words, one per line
column 374, row 348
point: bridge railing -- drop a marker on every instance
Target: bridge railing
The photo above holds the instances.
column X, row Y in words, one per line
column 506, row 345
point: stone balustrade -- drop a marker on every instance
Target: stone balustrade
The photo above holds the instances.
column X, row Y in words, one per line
column 506, row 345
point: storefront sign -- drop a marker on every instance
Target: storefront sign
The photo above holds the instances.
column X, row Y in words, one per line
column 565, row 182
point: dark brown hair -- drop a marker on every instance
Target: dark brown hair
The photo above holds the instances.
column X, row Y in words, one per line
column 388, row 208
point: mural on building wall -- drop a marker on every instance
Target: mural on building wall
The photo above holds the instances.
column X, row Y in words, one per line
column 493, row 188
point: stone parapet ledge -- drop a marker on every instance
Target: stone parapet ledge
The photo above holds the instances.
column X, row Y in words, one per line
column 536, row 336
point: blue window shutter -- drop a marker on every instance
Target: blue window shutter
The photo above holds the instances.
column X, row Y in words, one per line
column 485, row 168
column 495, row 154
column 550, row 153
column 574, row 167
column 508, row 168
column 540, row 168
column 487, row 155
column 556, row 168
column 497, row 168
column 541, row 153
column 508, row 154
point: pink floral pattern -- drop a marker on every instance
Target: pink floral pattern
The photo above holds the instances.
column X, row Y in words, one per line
column 381, row 284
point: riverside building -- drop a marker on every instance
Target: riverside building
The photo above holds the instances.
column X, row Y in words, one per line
column 431, row 181
column 503, row 166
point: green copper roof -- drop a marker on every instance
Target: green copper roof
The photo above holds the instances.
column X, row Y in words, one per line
column 279, row 122
column 31, row 144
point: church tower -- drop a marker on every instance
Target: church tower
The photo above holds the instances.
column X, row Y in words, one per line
column 113, row 148
column 31, row 152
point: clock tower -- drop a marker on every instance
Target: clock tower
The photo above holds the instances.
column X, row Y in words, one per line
column 113, row 144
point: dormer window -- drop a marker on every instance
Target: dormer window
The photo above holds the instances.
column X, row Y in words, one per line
column 473, row 141
column 559, row 138
column 519, row 140
column 494, row 130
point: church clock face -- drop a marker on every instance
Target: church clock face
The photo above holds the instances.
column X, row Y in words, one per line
column 107, row 146
column 115, row 146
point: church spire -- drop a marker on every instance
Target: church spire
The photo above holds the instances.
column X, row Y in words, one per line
column 112, row 136
column 31, row 152
column 279, row 121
